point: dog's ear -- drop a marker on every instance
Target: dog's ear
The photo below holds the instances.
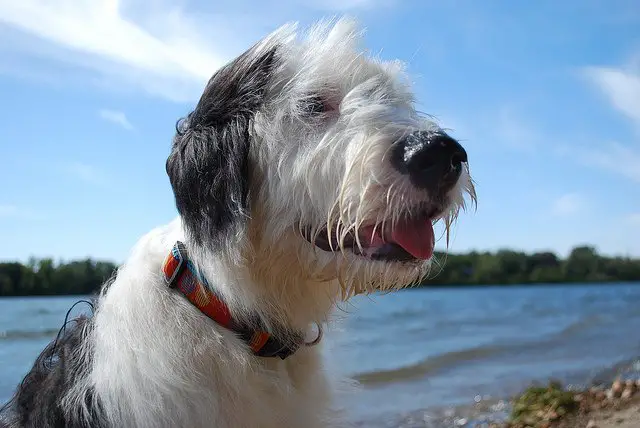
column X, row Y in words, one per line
column 208, row 166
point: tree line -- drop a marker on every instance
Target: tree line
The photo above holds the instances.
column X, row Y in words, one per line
column 44, row 277
column 504, row 267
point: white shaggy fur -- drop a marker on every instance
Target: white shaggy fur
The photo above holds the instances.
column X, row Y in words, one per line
column 158, row 362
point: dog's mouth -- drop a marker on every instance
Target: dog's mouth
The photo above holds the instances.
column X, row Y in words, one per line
column 410, row 239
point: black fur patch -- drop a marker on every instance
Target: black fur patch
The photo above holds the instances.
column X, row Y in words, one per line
column 37, row 401
column 208, row 166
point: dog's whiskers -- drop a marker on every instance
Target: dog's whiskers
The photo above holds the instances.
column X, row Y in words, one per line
column 289, row 188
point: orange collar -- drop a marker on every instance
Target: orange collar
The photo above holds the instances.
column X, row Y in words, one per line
column 180, row 273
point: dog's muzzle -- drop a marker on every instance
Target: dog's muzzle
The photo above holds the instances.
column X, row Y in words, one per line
column 432, row 160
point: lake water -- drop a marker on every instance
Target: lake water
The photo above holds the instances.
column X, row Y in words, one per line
column 425, row 357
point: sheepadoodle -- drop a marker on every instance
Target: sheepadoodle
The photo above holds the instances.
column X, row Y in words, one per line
column 303, row 176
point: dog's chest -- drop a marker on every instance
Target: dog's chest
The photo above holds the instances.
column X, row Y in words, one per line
column 276, row 393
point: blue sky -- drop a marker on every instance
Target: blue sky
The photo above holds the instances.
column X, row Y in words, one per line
column 544, row 95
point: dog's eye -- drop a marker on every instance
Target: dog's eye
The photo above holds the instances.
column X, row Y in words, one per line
column 313, row 106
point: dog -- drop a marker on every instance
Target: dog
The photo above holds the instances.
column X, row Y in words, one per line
column 303, row 176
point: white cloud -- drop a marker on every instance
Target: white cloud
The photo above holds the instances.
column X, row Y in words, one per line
column 14, row 211
column 568, row 204
column 634, row 219
column 94, row 34
column 620, row 86
column 167, row 49
column 513, row 131
column 9, row 211
column 84, row 172
column 614, row 157
column 117, row 117
column 345, row 5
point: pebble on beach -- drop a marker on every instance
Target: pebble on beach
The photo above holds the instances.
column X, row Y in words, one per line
column 616, row 389
column 627, row 394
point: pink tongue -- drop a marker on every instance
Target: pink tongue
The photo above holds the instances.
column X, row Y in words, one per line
column 416, row 237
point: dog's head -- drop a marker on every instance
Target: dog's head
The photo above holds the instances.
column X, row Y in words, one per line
column 307, row 153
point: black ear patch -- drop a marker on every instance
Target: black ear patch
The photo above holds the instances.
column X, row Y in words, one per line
column 208, row 166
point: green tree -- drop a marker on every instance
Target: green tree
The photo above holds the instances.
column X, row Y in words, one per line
column 582, row 264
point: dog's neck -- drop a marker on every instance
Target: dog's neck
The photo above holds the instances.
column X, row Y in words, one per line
column 279, row 292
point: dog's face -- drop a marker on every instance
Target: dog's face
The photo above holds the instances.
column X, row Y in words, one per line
column 308, row 153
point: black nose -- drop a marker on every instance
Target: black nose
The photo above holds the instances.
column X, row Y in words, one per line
column 433, row 160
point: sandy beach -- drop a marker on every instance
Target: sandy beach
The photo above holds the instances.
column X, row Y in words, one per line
column 622, row 415
column 626, row 418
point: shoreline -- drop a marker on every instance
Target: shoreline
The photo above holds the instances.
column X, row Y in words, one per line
column 612, row 404
column 552, row 406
